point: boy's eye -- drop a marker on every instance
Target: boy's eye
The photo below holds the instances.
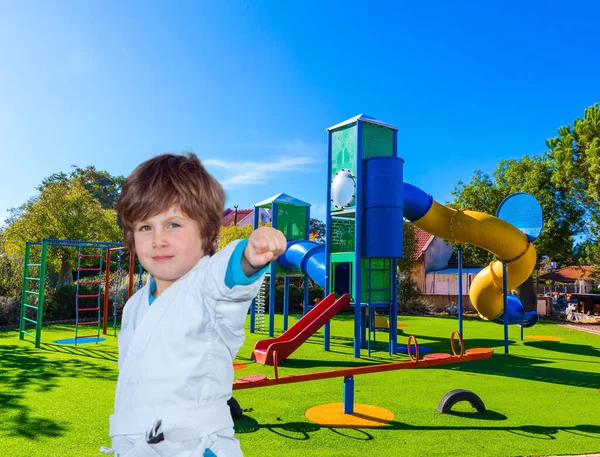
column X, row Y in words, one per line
column 173, row 225
column 144, row 228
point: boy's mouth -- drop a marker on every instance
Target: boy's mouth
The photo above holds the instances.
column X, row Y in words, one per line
column 162, row 258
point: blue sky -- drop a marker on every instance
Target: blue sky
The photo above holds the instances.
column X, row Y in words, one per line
column 251, row 86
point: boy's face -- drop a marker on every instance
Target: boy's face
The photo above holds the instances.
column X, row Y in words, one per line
column 168, row 246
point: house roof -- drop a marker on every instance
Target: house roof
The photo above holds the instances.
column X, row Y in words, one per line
column 569, row 274
column 229, row 216
column 423, row 239
column 363, row 118
column 282, row 199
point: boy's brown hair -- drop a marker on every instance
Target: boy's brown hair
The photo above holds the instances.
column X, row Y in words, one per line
column 166, row 180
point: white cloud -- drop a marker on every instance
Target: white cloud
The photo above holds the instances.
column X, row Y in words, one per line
column 249, row 172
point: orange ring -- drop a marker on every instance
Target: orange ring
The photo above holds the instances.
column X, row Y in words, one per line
column 462, row 346
column 408, row 350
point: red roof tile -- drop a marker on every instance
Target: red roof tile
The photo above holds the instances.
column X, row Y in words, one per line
column 569, row 274
column 229, row 216
column 423, row 239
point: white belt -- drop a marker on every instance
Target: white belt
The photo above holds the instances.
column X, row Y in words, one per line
column 199, row 424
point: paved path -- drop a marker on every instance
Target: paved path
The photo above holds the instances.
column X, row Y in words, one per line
column 589, row 328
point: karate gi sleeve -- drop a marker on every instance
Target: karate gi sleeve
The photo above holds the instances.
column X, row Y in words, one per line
column 231, row 289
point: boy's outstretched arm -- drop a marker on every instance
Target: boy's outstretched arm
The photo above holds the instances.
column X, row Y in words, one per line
column 264, row 245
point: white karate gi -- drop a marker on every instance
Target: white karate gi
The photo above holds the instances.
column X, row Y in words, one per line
column 176, row 362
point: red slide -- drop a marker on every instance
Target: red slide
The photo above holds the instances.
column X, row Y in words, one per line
column 291, row 340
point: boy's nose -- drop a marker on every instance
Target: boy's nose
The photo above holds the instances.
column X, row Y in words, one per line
column 159, row 239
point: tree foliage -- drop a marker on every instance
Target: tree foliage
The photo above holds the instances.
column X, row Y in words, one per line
column 232, row 233
column 64, row 210
column 317, row 230
column 561, row 208
column 574, row 156
column 103, row 187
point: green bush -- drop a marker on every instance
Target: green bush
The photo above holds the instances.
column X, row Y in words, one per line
column 409, row 298
column 11, row 275
column 10, row 310
column 59, row 303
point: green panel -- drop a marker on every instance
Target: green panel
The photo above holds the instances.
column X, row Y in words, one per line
column 380, row 279
column 291, row 220
column 343, row 152
column 377, row 141
column 342, row 235
column 342, row 257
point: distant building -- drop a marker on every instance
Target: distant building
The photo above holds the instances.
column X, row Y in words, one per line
column 436, row 272
column 244, row 217
column 572, row 279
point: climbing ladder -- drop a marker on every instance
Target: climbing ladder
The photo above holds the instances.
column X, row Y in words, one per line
column 116, row 292
column 83, row 311
column 34, row 275
column 259, row 304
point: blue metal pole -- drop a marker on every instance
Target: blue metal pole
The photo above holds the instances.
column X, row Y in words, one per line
column 394, row 308
column 394, row 277
column 505, row 296
column 286, row 301
column 460, row 295
column 306, row 295
column 349, row 395
column 306, row 282
column 328, row 234
column 358, row 315
column 273, row 270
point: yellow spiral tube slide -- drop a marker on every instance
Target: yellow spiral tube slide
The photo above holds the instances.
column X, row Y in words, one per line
column 494, row 235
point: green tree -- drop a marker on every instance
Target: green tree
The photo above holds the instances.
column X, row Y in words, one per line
column 103, row 187
column 574, row 156
column 317, row 230
column 100, row 184
column 561, row 209
column 64, row 210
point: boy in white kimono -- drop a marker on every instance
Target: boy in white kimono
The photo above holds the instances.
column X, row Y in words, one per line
column 181, row 332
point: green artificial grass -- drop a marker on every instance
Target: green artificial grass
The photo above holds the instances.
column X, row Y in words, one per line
column 541, row 399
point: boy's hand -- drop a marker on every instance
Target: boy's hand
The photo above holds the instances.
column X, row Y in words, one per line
column 264, row 245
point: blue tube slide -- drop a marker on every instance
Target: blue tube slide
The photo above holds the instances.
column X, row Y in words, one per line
column 517, row 315
column 307, row 256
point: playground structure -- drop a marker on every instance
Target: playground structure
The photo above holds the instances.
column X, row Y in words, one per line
column 368, row 201
column 115, row 293
column 87, row 302
column 292, row 217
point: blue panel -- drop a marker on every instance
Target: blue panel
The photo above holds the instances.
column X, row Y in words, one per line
column 383, row 207
column 416, row 202
column 524, row 212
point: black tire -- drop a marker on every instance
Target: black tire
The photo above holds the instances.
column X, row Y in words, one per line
column 235, row 408
column 454, row 396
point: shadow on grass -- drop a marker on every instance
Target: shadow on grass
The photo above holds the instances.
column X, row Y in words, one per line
column 531, row 368
column 24, row 370
column 567, row 348
column 104, row 354
column 301, row 430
